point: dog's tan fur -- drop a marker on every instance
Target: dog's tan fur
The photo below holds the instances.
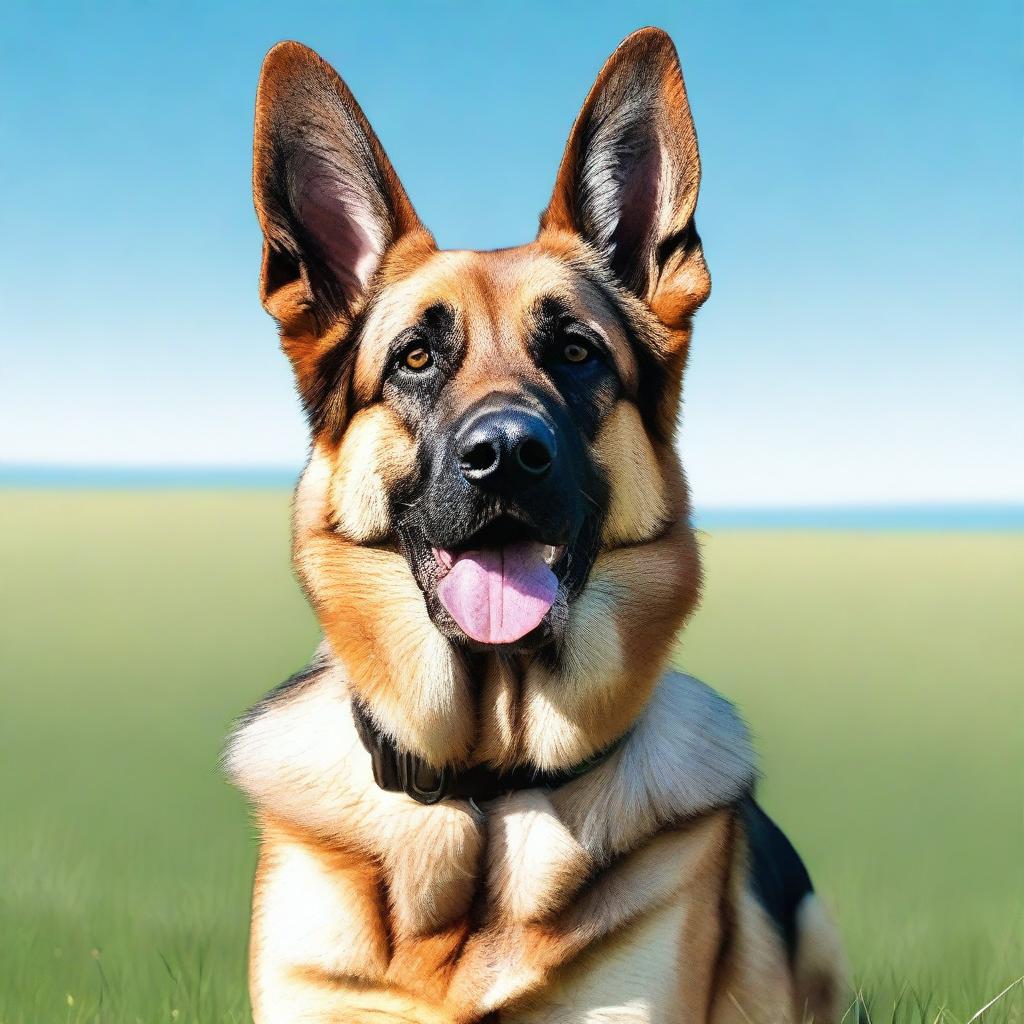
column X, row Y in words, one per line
column 620, row 896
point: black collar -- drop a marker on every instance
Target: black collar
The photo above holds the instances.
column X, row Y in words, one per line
column 401, row 771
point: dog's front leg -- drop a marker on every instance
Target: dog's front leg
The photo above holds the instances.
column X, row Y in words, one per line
column 312, row 997
column 320, row 948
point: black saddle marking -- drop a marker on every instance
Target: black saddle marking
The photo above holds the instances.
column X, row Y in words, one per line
column 777, row 874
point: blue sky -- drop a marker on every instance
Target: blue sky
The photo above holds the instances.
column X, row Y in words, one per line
column 862, row 216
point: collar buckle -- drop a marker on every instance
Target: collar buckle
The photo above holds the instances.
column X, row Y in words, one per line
column 425, row 784
column 400, row 771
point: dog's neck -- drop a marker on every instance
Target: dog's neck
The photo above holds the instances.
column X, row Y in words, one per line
column 453, row 709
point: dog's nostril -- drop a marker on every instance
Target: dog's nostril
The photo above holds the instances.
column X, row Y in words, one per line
column 480, row 459
column 533, row 456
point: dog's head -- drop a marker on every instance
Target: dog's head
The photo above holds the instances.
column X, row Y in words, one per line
column 486, row 425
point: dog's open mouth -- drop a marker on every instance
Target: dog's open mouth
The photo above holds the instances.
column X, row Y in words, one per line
column 498, row 589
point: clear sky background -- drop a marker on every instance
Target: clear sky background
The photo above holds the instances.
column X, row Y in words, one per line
column 862, row 217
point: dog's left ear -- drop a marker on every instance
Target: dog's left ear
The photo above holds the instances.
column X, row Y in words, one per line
column 628, row 180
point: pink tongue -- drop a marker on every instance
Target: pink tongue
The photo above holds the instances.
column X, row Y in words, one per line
column 499, row 594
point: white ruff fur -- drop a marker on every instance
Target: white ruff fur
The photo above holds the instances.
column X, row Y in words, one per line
column 299, row 759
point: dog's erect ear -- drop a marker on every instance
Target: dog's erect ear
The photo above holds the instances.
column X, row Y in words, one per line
column 326, row 195
column 629, row 178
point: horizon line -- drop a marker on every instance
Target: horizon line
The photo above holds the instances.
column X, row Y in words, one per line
column 977, row 514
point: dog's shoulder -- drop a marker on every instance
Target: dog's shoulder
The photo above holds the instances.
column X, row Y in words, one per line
column 776, row 873
column 688, row 753
column 295, row 741
column 782, row 948
column 694, row 742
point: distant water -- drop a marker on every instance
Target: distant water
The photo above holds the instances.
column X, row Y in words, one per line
column 937, row 516
column 148, row 477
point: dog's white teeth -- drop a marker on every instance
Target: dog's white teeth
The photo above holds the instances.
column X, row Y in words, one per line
column 552, row 554
column 443, row 559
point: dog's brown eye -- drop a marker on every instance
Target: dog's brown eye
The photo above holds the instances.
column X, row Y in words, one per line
column 417, row 358
column 576, row 353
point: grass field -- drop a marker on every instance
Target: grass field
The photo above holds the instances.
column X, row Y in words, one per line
column 881, row 673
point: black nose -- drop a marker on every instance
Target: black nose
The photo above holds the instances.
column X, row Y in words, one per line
column 505, row 447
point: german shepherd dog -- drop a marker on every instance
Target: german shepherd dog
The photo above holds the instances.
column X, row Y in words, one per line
column 487, row 798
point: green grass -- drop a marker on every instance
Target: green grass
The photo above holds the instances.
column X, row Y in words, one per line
column 881, row 674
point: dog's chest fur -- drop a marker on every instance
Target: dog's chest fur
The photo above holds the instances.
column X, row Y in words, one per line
column 541, row 905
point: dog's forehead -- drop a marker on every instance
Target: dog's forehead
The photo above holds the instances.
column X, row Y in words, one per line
column 495, row 298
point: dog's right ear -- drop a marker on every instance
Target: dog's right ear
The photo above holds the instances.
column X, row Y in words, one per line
column 327, row 198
